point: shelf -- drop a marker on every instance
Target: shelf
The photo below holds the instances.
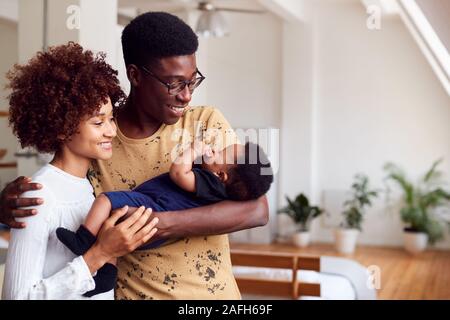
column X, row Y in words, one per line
column 8, row 165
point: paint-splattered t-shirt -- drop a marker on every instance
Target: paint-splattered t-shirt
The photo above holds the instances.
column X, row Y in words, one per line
column 191, row 268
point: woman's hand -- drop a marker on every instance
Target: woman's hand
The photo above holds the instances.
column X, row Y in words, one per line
column 115, row 240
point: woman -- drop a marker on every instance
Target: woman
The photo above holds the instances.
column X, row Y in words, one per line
column 62, row 103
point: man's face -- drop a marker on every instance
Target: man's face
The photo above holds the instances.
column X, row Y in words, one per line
column 153, row 96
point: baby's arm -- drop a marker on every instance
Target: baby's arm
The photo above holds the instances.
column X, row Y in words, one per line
column 181, row 169
column 98, row 213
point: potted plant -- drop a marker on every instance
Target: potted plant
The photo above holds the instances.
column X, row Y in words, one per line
column 354, row 209
column 420, row 205
column 302, row 213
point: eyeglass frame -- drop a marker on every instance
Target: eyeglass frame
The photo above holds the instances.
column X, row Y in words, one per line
column 185, row 82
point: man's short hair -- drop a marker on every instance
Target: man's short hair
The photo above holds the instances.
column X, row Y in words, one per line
column 155, row 35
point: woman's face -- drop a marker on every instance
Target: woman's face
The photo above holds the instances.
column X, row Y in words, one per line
column 95, row 134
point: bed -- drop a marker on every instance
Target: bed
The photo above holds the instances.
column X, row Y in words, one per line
column 268, row 275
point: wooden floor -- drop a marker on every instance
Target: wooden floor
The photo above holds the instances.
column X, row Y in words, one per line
column 403, row 276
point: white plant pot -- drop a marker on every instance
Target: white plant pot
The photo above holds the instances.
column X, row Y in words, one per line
column 415, row 242
column 301, row 239
column 346, row 240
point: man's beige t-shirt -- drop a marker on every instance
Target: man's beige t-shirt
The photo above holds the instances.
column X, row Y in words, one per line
column 190, row 268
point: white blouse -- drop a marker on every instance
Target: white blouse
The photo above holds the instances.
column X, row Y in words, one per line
column 38, row 265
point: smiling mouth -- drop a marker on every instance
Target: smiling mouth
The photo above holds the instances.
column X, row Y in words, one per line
column 176, row 109
column 105, row 145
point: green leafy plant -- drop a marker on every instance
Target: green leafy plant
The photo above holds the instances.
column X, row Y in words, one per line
column 301, row 211
column 420, row 200
column 354, row 208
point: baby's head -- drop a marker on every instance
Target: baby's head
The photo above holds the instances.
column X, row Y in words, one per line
column 244, row 170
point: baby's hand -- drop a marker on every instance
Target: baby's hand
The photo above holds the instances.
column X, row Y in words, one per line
column 207, row 151
column 202, row 149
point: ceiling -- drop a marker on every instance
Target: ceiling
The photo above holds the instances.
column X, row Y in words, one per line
column 178, row 5
column 438, row 13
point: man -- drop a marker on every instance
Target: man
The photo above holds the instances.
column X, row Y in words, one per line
column 159, row 52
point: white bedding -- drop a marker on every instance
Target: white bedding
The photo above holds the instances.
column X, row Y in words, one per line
column 2, row 266
column 333, row 287
column 2, row 273
column 340, row 279
column 3, row 243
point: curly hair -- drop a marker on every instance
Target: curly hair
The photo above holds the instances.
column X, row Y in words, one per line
column 252, row 177
column 53, row 93
column 155, row 35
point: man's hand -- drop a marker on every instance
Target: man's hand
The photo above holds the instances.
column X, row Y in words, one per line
column 218, row 218
column 10, row 202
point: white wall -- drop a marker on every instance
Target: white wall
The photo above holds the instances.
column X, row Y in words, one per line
column 95, row 32
column 243, row 71
column 9, row 55
column 57, row 31
column 9, row 9
column 289, row 10
column 297, row 110
column 351, row 99
column 376, row 99
column 243, row 80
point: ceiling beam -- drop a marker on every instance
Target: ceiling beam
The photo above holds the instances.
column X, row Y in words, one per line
column 288, row 10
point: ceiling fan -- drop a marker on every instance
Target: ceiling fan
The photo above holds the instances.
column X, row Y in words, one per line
column 209, row 6
column 211, row 22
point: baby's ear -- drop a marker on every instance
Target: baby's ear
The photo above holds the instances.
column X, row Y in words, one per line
column 223, row 176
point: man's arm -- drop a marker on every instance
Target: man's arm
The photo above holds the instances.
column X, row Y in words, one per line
column 11, row 202
column 219, row 218
column 222, row 217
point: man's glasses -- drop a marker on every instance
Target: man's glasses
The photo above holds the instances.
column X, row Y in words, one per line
column 176, row 87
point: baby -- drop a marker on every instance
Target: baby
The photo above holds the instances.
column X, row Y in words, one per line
column 199, row 176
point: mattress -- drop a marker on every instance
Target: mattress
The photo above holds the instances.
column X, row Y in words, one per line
column 3, row 244
column 333, row 287
column 2, row 273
